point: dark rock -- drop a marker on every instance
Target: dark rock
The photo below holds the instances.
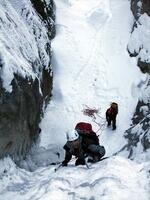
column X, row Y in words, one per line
column 20, row 113
column 145, row 7
column 136, row 9
column 47, row 13
column 139, row 7
column 144, row 66
column 134, row 54
column 138, row 133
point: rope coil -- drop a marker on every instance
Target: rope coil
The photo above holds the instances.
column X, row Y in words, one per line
column 94, row 113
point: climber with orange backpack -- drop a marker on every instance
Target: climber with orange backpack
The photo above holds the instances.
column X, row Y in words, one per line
column 90, row 142
column 111, row 114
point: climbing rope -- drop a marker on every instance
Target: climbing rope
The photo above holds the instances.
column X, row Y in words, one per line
column 94, row 113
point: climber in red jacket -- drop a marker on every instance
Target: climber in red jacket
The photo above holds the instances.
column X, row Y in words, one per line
column 111, row 114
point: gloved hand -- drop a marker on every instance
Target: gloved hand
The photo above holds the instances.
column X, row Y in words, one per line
column 64, row 163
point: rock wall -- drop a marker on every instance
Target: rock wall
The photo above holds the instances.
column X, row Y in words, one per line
column 139, row 7
column 25, row 72
column 141, row 33
column 138, row 135
column 46, row 12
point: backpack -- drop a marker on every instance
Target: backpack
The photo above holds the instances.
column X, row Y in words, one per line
column 88, row 136
column 113, row 110
column 83, row 128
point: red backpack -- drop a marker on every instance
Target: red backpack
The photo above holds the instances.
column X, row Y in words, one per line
column 88, row 135
column 83, row 127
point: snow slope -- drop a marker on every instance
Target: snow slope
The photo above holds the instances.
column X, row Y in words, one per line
column 91, row 67
column 116, row 179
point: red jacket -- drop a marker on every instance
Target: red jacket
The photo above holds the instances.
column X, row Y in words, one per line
column 111, row 112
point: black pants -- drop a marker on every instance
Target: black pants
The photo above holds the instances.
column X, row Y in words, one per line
column 80, row 161
column 112, row 121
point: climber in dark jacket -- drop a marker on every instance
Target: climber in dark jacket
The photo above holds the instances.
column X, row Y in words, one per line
column 90, row 142
column 111, row 114
column 73, row 147
column 91, row 146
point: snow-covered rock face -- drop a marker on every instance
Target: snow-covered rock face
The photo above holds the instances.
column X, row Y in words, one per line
column 139, row 7
column 25, row 71
column 45, row 9
column 141, row 34
column 139, row 42
column 138, row 135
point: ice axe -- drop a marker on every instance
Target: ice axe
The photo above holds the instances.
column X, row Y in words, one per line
column 58, row 167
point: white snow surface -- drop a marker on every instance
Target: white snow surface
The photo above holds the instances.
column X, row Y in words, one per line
column 116, row 178
column 91, row 67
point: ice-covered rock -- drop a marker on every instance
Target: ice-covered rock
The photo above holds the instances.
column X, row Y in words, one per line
column 25, row 71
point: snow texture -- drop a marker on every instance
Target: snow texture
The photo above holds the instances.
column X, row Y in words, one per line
column 114, row 178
